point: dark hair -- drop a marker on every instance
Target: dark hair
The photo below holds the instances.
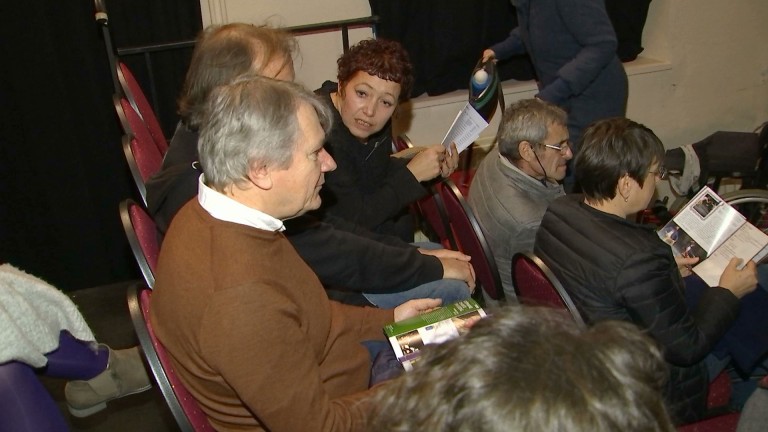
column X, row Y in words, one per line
column 531, row 369
column 527, row 120
column 613, row 148
column 383, row 58
column 223, row 53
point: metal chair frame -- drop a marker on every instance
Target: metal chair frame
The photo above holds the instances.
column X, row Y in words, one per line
column 565, row 299
column 185, row 409
column 144, row 258
column 456, row 205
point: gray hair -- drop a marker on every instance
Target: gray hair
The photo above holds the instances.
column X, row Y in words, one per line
column 224, row 52
column 527, row 120
column 254, row 120
column 531, row 369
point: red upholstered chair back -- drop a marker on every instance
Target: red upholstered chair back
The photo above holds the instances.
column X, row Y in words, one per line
column 429, row 209
column 135, row 96
column 536, row 285
column 141, row 153
column 142, row 161
column 470, row 239
column 721, row 423
column 141, row 232
column 184, row 407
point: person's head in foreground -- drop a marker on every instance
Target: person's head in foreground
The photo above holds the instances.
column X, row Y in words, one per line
column 262, row 145
column 533, row 136
column 222, row 53
column 531, row 369
column 374, row 76
column 618, row 165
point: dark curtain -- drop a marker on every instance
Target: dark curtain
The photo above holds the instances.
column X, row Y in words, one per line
column 63, row 171
column 445, row 38
column 628, row 19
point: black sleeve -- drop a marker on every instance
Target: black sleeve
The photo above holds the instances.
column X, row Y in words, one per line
column 345, row 261
column 168, row 191
column 344, row 197
column 352, row 228
column 652, row 295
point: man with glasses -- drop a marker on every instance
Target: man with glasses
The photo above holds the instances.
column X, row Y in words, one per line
column 519, row 178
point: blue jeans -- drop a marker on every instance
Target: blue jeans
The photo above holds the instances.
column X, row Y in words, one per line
column 448, row 290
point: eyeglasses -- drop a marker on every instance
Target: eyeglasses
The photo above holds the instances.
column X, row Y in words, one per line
column 661, row 173
column 563, row 146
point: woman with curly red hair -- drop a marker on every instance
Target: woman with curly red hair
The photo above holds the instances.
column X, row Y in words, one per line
column 370, row 188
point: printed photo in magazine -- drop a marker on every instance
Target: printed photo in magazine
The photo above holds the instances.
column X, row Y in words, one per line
column 710, row 229
column 409, row 337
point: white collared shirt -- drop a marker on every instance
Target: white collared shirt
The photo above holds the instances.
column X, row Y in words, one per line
column 226, row 209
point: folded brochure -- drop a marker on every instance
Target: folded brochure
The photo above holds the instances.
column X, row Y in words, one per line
column 408, row 337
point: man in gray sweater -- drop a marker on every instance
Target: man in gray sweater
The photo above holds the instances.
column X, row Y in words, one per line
column 519, row 178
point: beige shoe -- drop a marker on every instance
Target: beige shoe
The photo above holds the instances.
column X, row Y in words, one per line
column 125, row 375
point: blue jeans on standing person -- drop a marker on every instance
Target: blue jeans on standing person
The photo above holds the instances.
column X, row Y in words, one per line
column 448, row 290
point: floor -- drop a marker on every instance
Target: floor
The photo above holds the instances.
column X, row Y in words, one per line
column 106, row 311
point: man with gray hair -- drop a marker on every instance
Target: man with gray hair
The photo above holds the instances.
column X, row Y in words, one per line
column 518, row 179
column 248, row 325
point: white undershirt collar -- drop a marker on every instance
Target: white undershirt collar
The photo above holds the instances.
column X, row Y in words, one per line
column 226, row 209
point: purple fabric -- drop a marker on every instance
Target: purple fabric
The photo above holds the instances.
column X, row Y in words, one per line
column 747, row 339
column 384, row 364
column 75, row 359
column 25, row 405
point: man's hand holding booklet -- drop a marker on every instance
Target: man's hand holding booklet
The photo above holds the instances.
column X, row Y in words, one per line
column 408, row 337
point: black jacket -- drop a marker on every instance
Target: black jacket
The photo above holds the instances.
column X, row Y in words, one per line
column 344, row 256
column 368, row 187
column 616, row 269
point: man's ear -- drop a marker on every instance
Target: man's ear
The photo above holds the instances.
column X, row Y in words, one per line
column 526, row 151
column 260, row 175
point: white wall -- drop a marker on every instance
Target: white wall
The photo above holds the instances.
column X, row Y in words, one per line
column 707, row 67
column 318, row 52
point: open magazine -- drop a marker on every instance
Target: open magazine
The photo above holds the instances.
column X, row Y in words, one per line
column 409, row 336
column 709, row 228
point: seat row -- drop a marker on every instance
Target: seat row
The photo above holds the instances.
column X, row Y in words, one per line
column 444, row 214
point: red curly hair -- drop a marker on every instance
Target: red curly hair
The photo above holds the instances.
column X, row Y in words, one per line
column 386, row 59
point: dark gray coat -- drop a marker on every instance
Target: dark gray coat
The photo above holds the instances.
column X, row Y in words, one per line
column 572, row 46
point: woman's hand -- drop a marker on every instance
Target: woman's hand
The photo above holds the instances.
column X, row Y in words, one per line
column 445, row 253
column 429, row 163
column 450, row 162
column 488, row 54
column 684, row 265
column 739, row 282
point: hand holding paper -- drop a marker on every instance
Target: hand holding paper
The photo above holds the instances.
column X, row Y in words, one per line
column 465, row 129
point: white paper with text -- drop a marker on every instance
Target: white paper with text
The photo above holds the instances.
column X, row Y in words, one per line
column 465, row 129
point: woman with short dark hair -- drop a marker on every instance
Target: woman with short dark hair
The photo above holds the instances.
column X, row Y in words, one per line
column 616, row 269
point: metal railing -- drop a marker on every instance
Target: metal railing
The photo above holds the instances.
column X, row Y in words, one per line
column 147, row 51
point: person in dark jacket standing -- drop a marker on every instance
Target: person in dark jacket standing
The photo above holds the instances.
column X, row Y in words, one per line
column 572, row 46
column 616, row 269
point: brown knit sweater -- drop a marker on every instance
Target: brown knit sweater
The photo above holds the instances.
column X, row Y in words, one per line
column 252, row 333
